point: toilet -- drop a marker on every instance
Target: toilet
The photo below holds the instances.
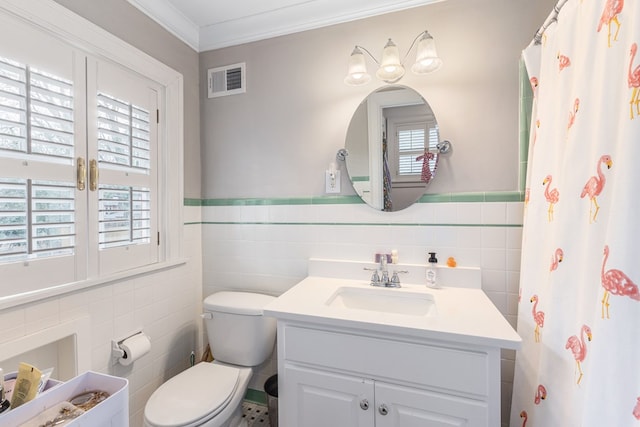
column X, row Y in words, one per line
column 211, row 394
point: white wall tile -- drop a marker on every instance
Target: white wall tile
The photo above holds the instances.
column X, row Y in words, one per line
column 494, row 280
column 117, row 308
column 271, row 257
column 468, row 213
column 14, row 324
column 494, row 259
column 494, row 213
column 41, row 315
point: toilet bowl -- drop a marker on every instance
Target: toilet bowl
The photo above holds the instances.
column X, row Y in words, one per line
column 211, row 394
column 205, row 395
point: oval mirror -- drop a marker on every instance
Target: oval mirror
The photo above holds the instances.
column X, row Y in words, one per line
column 392, row 144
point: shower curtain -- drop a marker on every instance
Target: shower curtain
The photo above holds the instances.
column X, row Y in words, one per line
column 579, row 303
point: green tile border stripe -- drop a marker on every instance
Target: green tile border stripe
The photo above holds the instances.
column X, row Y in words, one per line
column 256, row 396
column 354, row 224
column 496, row 196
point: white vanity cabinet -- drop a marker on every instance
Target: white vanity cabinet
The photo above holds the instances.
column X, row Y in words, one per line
column 332, row 376
column 350, row 355
column 323, row 398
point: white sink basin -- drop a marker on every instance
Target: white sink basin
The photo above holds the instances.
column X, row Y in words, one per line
column 383, row 300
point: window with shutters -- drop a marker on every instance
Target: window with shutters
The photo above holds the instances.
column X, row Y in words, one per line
column 413, row 139
column 411, row 143
column 79, row 164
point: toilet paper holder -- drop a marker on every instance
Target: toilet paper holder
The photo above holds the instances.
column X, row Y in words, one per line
column 116, row 351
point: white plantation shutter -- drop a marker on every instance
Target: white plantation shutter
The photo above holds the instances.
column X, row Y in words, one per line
column 124, row 137
column 125, row 134
column 36, row 111
column 412, row 140
column 37, row 219
column 39, row 213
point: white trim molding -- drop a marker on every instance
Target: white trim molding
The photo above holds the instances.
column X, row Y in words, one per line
column 72, row 29
column 273, row 20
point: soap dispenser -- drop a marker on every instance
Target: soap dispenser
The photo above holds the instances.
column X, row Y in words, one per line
column 432, row 274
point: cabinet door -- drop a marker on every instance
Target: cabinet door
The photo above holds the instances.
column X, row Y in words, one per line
column 312, row 398
column 398, row 406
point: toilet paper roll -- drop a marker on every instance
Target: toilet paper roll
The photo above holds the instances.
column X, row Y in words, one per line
column 134, row 348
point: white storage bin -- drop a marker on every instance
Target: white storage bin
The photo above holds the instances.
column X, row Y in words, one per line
column 113, row 411
column 51, row 383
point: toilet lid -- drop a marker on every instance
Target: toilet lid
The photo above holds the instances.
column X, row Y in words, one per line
column 246, row 303
column 199, row 392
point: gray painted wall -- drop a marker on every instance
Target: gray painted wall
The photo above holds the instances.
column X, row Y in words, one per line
column 129, row 24
column 277, row 139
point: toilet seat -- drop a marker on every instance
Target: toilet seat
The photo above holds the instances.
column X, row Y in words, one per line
column 193, row 396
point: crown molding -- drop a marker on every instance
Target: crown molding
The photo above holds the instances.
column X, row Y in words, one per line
column 298, row 17
column 165, row 14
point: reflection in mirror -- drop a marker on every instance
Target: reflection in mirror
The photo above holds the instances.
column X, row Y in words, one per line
column 392, row 142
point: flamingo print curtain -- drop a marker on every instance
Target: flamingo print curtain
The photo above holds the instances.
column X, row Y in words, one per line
column 579, row 309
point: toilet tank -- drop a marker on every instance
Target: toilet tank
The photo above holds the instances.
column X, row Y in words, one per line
column 238, row 332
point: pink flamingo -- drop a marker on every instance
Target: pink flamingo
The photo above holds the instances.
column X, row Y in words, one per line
column 556, row 259
column 534, row 84
column 572, row 114
column 541, row 394
column 579, row 347
column 594, row 186
column 563, row 61
column 636, row 410
column 538, row 317
column 610, row 14
column 552, row 196
column 525, row 417
column 617, row 283
column 634, row 82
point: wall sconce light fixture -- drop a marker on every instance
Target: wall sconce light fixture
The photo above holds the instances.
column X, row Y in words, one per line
column 391, row 68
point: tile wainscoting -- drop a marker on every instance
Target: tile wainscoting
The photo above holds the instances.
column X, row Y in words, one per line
column 263, row 245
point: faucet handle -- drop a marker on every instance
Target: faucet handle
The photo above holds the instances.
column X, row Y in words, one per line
column 395, row 280
column 375, row 277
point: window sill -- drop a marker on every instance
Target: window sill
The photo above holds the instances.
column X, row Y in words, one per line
column 59, row 290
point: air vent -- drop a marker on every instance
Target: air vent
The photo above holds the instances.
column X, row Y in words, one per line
column 227, row 80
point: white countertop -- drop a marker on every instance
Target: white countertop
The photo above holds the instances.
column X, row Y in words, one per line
column 464, row 315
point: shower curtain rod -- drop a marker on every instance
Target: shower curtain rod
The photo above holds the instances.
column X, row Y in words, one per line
column 553, row 17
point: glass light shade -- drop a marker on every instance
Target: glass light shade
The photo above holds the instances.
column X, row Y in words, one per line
column 427, row 59
column 357, row 71
column 391, row 70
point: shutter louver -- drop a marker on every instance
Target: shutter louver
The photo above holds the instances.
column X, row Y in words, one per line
column 123, row 133
column 37, row 217
column 124, row 216
column 410, row 146
column 123, row 140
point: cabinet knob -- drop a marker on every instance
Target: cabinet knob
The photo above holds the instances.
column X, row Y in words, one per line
column 364, row 404
column 383, row 409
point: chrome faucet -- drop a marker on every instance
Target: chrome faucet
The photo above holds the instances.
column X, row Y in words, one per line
column 380, row 276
